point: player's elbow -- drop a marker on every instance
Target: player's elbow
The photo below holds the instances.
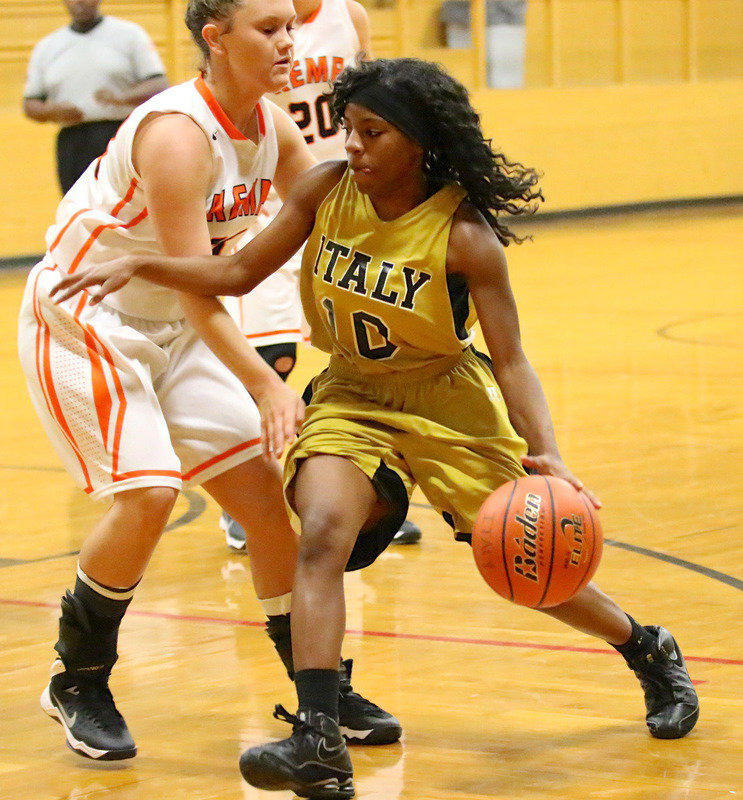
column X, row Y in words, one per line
column 508, row 361
column 236, row 279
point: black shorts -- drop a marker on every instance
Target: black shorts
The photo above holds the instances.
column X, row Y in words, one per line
column 79, row 145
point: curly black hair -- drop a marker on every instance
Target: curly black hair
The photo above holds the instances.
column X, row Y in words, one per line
column 458, row 151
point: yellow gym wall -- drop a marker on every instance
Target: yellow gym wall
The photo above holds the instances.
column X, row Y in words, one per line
column 626, row 101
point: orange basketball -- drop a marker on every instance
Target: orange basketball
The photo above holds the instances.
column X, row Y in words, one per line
column 537, row 541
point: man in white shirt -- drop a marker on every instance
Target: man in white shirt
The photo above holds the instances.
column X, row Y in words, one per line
column 87, row 77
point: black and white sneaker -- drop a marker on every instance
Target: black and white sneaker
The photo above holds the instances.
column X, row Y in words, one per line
column 409, row 533
column 360, row 720
column 313, row 762
column 87, row 712
column 671, row 702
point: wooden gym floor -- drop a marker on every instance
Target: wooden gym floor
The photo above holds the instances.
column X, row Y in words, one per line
column 634, row 325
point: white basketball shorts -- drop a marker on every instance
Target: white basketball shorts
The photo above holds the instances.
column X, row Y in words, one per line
column 126, row 402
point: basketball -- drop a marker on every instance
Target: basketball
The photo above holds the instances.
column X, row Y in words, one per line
column 537, row 541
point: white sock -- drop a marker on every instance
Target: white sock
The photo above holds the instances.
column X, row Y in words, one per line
column 276, row 606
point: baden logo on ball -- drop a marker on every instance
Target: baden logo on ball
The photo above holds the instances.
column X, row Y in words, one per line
column 537, row 541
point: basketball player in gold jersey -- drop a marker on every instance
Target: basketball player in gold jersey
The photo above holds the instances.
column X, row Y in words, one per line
column 404, row 245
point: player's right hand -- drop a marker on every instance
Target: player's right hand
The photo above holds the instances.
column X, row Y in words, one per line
column 109, row 277
column 282, row 414
column 549, row 464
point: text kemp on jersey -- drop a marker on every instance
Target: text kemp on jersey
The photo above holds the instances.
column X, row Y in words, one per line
column 355, row 274
column 305, row 71
column 245, row 202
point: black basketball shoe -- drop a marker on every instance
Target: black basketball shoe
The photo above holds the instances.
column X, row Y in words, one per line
column 671, row 702
column 86, row 710
column 360, row 720
column 313, row 762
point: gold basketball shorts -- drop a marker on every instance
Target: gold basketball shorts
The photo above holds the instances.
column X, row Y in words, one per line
column 443, row 427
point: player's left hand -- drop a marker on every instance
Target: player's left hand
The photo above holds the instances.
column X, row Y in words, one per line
column 282, row 414
column 549, row 464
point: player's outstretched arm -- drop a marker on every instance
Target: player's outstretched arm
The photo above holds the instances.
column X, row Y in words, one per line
column 476, row 254
column 218, row 275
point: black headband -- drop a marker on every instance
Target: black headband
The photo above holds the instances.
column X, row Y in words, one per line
column 396, row 108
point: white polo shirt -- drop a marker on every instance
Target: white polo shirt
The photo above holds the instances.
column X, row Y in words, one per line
column 70, row 67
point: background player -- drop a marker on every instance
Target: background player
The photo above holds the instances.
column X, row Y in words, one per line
column 87, row 77
column 134, row 401
column 328, row 35
column 399, row 257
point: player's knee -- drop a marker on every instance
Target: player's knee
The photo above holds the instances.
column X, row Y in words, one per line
column 150, row 506
column 280, row 357
column 325, row 539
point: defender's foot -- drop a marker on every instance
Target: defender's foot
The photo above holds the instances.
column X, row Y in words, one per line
column 360, row 720
column 87, row 712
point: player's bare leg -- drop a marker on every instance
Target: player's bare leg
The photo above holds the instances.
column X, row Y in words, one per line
column 334, row 500
column 252, row 494
column 118, row 549
column 594, row 613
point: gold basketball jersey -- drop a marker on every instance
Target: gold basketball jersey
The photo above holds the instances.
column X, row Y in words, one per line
column 376, row 293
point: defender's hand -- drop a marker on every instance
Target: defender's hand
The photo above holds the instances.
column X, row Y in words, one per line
column 282, row 413
column 110, row 277
column 553, row 465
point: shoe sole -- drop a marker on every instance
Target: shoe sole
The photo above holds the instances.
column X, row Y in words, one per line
column 374, row 736
column 255, row 776
column 76, row 745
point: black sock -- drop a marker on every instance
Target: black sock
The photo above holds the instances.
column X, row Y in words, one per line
column 279, row 630
column 640, row 641
column 318, row 689
column 105, row 610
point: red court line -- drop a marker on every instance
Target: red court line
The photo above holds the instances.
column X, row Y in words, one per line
column 422, row 637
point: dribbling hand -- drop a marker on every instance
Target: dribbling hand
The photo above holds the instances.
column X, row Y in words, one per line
column 110, row 277
column 553, row 465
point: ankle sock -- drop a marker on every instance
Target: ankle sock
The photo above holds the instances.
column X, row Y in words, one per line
column 318, row 689
column 640, row 641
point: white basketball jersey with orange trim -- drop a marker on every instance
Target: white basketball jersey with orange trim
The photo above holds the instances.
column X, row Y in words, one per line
column 323, row 46
column 104, row 215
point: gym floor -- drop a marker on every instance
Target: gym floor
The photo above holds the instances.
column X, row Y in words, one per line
column 633, row 323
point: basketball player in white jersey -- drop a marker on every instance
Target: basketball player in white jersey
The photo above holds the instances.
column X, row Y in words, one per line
column 328, row 35
column 135, row 402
